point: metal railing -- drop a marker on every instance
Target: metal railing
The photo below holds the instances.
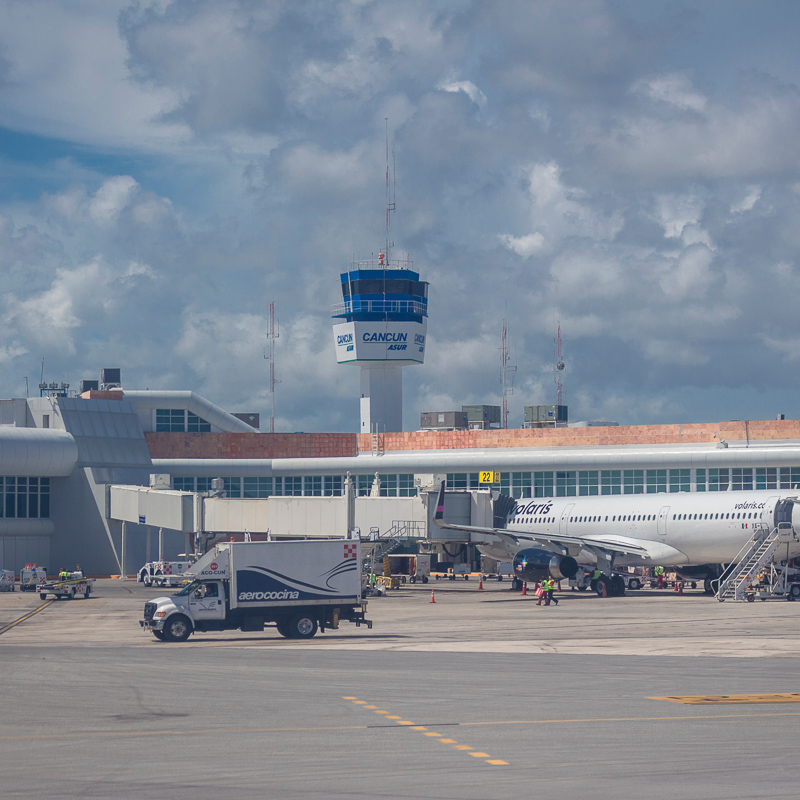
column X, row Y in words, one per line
column 380, row 307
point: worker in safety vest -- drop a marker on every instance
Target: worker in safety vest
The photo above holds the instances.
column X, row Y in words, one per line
column 551, row 590
column 659, row 572
column 547, row 587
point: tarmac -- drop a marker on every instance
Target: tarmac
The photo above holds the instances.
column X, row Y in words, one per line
column 480, row 694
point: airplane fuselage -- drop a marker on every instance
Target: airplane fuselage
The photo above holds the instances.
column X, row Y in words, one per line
column 701, row 528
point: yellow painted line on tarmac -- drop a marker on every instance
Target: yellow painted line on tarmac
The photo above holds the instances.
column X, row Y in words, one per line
column 731, row 699
column 496, row 762
column 27, row 616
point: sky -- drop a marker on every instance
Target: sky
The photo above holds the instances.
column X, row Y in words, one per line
column 626, row 170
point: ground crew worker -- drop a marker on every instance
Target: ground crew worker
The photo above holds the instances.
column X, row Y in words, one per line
column 547, row 587
column 659, row 571
column 596, row 573
column 550, row 591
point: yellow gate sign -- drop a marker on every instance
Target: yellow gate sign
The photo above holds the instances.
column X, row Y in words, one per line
column 488, row 477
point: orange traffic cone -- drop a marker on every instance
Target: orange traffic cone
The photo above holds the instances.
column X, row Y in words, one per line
column 480, row 582
column 432, row 600
column 605, row 591
column 524, row 588
column 675, row 589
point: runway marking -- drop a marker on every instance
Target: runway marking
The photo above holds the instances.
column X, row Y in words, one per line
column 27, row 616
column 496, row 762
column 731, row 699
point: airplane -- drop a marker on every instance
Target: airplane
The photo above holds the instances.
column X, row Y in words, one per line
column 695, row 532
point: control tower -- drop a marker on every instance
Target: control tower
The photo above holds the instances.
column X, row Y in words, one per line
column 381, row 327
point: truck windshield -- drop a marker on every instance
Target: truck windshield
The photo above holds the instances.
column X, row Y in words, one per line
column 188, row 589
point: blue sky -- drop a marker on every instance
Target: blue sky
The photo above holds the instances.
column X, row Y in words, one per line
column 168, row 169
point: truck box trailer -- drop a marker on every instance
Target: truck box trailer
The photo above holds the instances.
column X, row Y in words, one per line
column 300, row 586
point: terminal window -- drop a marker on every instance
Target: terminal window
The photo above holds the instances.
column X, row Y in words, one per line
column 543, row 484
column 741, row 479
column 566, row 484
column 790, row 477
column 656, row 480
column 333, row 486
column 680, row 480
column 588, row 484
column 521, row 484
column 633, row 481
column 25, row 498
column 610, row 481
column 766, row 477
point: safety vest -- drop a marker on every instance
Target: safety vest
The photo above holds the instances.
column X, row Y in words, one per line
column 548, row 584
column 659, row 570
column 597, row 573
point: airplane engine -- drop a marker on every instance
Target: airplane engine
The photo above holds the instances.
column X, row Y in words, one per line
column 533, row 565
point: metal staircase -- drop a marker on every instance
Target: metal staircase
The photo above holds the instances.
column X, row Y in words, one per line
column 380, row 545
column 753, row 557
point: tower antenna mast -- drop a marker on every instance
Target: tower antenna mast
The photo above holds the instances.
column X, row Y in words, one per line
column 390, row 205
column 272, row 335
column 560, row 365
column 507, row 373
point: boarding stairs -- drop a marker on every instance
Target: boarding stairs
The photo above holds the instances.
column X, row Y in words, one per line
column 379, row 545
column 752, row 559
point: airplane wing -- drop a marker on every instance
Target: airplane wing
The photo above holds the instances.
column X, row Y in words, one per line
column 618, row 545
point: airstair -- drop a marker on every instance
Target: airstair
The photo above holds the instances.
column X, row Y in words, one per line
column 752, row 559
column 380, row 545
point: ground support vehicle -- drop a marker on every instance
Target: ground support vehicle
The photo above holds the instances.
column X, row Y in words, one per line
column 415, row 567
column 164, row 573
column 69, row 586
column 300, row 586
column 492, row 568
column 6, row 580
column 31, row 577
column 775, row 581
column 390, row 581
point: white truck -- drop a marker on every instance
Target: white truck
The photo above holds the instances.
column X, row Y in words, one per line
column 164, row 573
column 300, row 586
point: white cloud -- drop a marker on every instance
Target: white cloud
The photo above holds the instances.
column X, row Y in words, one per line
column 469, row 89
column 674, row 89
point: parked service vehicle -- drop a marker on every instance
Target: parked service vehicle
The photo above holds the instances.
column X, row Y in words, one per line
column 69, row 585
column 300, row 586
column 31, row 577
column 164, row 573
column 6, row 580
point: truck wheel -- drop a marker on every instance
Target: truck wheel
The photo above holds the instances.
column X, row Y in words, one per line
column 634, row 584
column 303, row 626
column 177, row 628
column 424, row 578
column 794, row 591
column 283, row 629
column 159, row 635
column 412, row 579
column 43, row 595
column 86, row 594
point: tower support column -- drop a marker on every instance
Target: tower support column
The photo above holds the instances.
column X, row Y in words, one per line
column 381, row 399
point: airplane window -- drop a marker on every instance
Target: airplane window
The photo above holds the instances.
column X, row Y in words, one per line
column 606, row 518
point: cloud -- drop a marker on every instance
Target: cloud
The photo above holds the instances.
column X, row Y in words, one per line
column 469, row 89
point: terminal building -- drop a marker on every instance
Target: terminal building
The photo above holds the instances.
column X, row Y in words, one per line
column 86, row 479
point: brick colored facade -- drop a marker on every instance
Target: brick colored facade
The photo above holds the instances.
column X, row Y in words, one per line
column 325, row 445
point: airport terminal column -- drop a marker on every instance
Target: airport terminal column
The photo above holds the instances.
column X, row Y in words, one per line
column 122, row 552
